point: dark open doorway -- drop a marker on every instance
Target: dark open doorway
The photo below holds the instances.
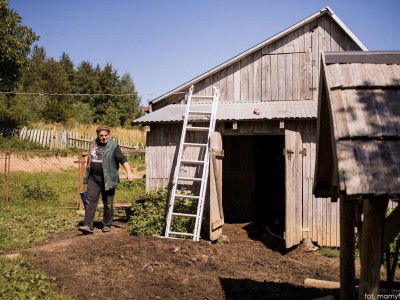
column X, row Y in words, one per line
column 254, row 180
column 270, row 182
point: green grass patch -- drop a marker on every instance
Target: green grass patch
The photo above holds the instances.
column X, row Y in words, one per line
column 19, row 281
column 330, row 252
column 24, row 223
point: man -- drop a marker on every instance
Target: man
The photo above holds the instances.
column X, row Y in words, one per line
column 102, row 177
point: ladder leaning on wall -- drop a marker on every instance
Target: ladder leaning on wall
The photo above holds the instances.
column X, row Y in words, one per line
column 207, row 119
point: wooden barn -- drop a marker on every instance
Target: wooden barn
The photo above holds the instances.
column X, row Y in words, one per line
column 266, row 123
column 358, row 158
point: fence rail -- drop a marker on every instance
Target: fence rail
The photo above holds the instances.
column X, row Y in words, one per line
column 61, row 139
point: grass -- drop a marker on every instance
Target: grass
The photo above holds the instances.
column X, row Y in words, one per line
column 330, row 252
column 41, row 204
column 22, row 224
column 19, row 281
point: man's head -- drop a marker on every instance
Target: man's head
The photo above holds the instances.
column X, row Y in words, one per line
column 103, row 133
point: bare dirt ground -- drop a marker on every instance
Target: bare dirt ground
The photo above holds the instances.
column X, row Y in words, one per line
column 116, row 265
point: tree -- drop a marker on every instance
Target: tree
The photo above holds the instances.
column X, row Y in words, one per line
column 15, row 45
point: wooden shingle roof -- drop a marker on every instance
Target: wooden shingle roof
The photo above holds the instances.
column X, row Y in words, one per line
column 358, row 150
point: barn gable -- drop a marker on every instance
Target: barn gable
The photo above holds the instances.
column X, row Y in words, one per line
column 283, row 67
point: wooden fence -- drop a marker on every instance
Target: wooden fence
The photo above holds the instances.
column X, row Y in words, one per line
column 61, row 139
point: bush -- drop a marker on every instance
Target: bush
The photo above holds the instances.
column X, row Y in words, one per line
column 40, row 192
column 149, row 216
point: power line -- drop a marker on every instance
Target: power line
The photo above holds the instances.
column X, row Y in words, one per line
column 66, row 94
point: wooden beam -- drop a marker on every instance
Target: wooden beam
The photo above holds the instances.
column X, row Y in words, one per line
column 347, row 267
column 371, row 247
column 321, row 284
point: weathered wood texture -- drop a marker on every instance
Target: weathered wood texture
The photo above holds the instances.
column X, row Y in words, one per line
column 371, row 247
column 364, row 102
column 313, row 218
column 216, row 217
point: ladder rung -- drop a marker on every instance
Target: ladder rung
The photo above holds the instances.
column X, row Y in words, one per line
column 194, row 145
column 189, row 179
column 184, row 215
column 187, row 196
column 192, row 128
column 181, row 233
column 193, row 162
column 202, row 97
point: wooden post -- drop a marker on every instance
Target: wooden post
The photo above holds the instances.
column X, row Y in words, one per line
column 371, row 247
column 81, row 174
column 7, row 159
column 347, row 267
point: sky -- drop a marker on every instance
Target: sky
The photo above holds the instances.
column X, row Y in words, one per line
column 165, row 43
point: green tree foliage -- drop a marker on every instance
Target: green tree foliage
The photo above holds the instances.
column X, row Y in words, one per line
column 48, row 88
column 15, row 44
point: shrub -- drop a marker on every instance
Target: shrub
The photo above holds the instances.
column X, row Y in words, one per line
column 149, row 216
column 40, row 192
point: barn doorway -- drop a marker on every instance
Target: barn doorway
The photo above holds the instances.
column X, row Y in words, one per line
column 254, row 180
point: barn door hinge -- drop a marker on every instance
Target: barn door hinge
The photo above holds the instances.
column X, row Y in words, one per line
column 303, row 152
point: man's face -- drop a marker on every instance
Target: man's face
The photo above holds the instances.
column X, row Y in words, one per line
column 103, row 136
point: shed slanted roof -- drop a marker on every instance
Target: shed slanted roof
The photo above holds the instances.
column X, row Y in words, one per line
column 359, row 117
column 305, row 109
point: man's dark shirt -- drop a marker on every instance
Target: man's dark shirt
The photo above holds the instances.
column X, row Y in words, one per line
column 97, row 156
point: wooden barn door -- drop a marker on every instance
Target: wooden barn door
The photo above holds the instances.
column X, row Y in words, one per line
column 216, row 210
column 293, row 205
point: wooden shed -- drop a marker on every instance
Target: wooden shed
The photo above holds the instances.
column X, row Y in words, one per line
column 266, row 122
column 358, row 157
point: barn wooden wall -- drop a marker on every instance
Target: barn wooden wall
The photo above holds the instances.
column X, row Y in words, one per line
column 319, row 217
column 287, row 69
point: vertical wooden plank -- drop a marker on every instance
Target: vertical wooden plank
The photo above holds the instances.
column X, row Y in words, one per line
column 281, row 77
column 371, row 246
column 236, row 82
column 266, row 78
column 244, row 79
column 315, row 61
column 229, row 83
column 296, row 77
column 288, row 77
column 250, row 75
column 293, row 222
column 222, row 85
column 215, row 200
column 347, row 267
column 335, row 36
column 307, row 197
column 257, row 76
column 308, row 44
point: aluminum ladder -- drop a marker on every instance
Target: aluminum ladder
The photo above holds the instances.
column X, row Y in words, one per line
column 192, row 117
